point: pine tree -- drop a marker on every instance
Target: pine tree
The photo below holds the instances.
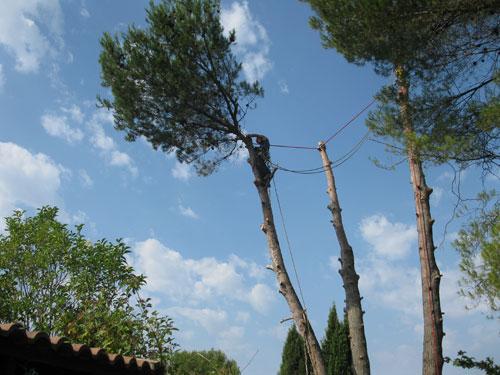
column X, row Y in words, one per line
column 440, row 107
column 293, row 359
column 177, row 84
column 335, row 346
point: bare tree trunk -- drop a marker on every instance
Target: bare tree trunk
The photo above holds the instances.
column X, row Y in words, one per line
column 357, row 339
column 258, row 157
column 431, row 277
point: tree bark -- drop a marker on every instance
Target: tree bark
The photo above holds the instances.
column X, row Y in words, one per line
column 258, row 158
column 357, row 339
column 431, row 277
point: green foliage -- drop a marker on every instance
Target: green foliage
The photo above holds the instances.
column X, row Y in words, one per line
column 293, row 358
column 335, row 346
column 176, row 82
column 53, row 279
column 478, row 244
column 464, row 361
column 203, row 362
column 448, row 52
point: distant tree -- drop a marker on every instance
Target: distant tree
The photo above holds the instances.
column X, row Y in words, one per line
column 293, row 358
column 447, row 53
column 464, row 361
column 177, row 83
column 203, row 362
column 478, row 243
column 53, row 279
column 335, row 346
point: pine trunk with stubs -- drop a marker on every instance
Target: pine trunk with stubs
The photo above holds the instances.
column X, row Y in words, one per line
column 263, row 176
column 432, row 361
column 354, row 310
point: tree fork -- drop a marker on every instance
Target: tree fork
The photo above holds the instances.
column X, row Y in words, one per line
column 431, row 276
column 357, row 339
column 258, row 158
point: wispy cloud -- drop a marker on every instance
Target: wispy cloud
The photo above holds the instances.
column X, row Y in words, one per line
column 284, row 87
column 30, row 31
column 85, row 179
column 188, row 212
column 27, row 180
column 179, row 279
column 58, row 126
column 252, row 41
column 182, row 171
column 392, row 240
column 106, row 145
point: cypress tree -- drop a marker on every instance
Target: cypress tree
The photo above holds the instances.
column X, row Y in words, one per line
column 335, row 346
column 293, row 359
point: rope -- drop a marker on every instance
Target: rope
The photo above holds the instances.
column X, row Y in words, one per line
column 288, row 243
column 298, row 147
column 337, row 163
column 282, row 216
column 334, row 134
column 350, row 121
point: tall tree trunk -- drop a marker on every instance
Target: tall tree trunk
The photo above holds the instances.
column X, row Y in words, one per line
column 357, row 339
column 431, row 277
column 258, row 158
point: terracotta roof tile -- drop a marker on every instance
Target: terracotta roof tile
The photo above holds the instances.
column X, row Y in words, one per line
column 16, row 333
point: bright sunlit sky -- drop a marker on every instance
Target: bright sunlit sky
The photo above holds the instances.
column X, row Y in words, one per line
column 197, row 238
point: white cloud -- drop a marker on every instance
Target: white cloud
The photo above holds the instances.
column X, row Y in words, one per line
column 253, row 269
column 188, row 212
column 392, row 240
column 284, row 87
column 242, row 316
column 261, row 298
column 182, row 171
column 2, row 78
column 211, row 320
column 230, row 340
column 27, row 180
column 21, row 25
column 75, row 113
column 106, row 145
column 85, row 179
column 391, row 286
column 196, row 280
column 334, row 263
column 84, row 12
column 57, row 126
column 252, row 41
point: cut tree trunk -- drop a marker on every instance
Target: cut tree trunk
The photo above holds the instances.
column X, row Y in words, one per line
column 258, row 158
column 431, row 277
column 357, row 339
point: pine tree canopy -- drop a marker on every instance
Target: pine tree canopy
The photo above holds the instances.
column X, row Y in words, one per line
column 448, row 51
column 177, row 83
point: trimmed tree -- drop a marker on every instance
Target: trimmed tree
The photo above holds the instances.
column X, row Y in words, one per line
column 294, row 360
column 335, row 346
column 177, row 83
column 442, row 51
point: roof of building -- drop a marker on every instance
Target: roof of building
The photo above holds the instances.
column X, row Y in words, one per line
column 39, row 347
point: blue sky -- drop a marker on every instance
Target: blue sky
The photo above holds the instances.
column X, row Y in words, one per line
column 198, row 239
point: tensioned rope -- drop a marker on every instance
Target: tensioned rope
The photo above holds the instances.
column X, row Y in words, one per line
column 336, row 163
column 351, row 120
column 282, row 216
